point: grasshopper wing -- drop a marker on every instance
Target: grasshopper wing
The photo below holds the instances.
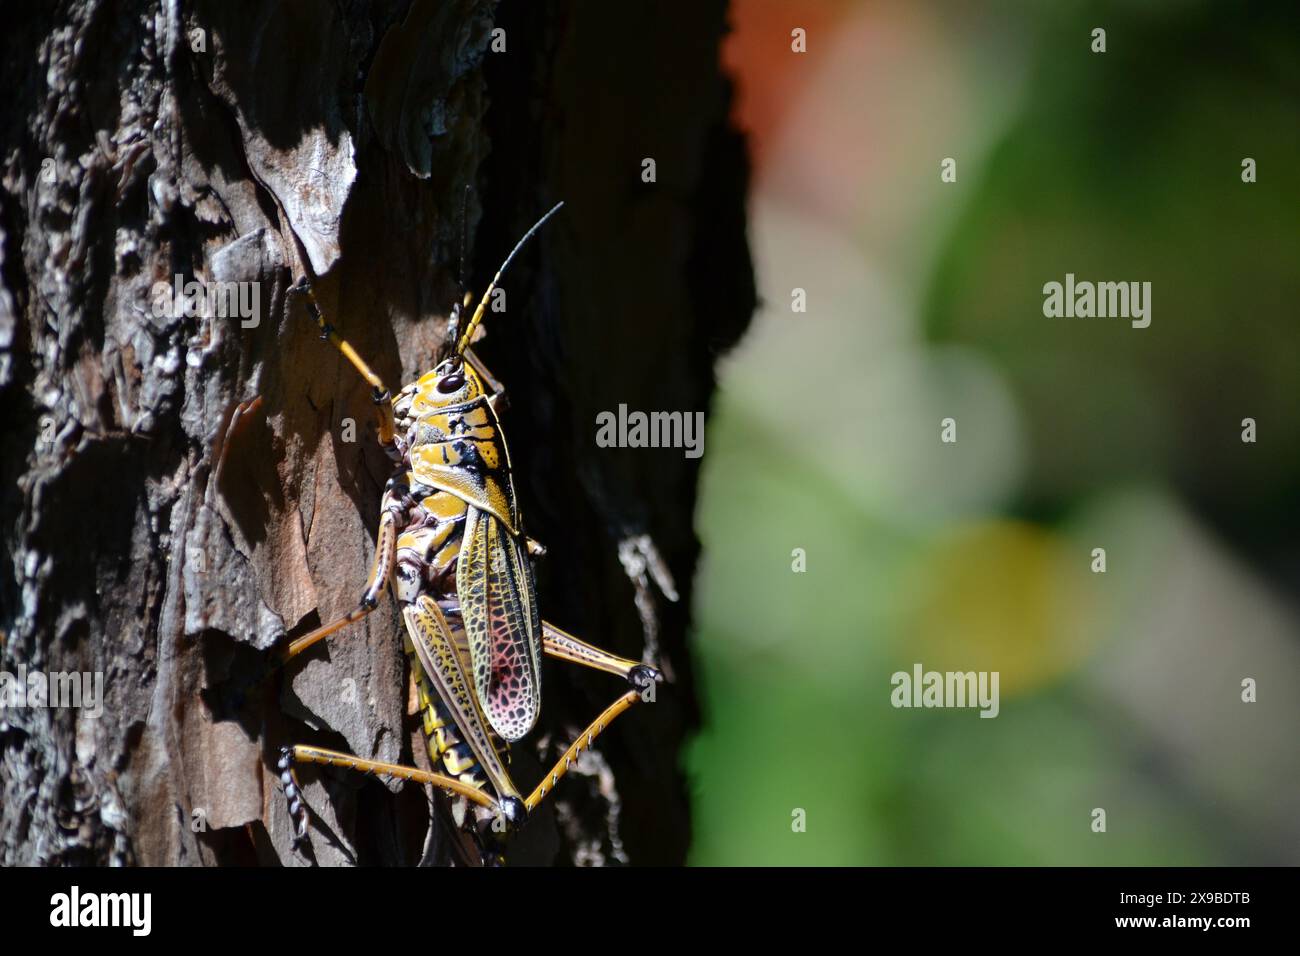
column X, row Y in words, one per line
column 498, row 603
column 440, row 659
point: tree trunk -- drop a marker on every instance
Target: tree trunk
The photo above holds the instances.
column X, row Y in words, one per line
column 184, row 493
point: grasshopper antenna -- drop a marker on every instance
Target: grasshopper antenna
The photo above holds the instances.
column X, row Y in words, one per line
column 463, row 343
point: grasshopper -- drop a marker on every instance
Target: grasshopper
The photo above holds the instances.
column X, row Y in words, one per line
column 451, row 546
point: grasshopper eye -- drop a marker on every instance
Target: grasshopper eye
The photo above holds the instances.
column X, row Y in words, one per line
column 451, row 383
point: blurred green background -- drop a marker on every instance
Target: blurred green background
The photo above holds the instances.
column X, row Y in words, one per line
column 1119, row 690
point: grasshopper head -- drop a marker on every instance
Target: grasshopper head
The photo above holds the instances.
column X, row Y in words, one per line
column 451, row 383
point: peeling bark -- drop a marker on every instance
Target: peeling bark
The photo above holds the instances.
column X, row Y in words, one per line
column 181, row 493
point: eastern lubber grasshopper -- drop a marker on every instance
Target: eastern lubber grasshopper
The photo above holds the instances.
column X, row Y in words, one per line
column 452, row 546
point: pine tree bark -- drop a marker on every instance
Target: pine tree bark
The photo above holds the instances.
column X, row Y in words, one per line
column 182, row 494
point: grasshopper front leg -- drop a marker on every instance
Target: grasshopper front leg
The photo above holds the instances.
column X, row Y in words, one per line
column 382, row 397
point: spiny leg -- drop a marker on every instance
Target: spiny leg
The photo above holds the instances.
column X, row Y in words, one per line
column 562, row 645
column 300, row 753
column 380, row 571
column 584, row 742
column 382, row 397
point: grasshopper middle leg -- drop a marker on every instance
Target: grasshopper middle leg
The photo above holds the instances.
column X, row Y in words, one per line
column 380, row 572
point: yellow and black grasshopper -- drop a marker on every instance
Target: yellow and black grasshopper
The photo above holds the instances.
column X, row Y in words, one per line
column 452, row 547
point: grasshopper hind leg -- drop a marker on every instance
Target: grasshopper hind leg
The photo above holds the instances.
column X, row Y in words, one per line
column 292, row 795
column 290, row 757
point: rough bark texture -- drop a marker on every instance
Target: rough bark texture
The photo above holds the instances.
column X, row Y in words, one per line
column 182, row 494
